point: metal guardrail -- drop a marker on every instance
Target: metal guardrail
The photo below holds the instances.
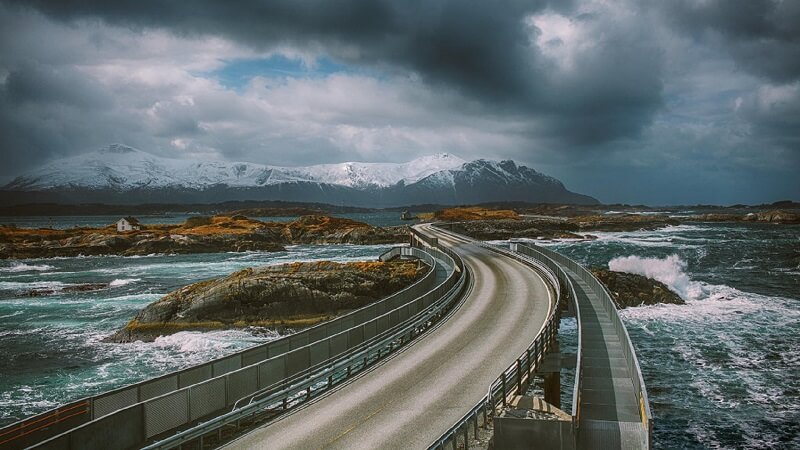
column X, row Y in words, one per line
column 155, row 391
column 609, row 305
column 316, row 381
column 516, row 376
column 536, row 255
column 293, row 392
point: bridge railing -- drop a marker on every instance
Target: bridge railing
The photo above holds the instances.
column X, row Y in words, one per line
column 556, row 268
column 609, row 305
column 292, row 391
column 41, row 427
column 514, row 378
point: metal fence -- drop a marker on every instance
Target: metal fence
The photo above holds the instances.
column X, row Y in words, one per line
column 600, row 290
column 155, row 396
column 293, row 391
column 516, row 376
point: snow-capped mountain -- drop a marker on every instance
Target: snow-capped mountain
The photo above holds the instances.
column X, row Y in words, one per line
column 121, row 174
column 125, row 168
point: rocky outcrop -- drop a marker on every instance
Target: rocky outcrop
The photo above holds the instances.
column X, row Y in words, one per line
column 292, row 295
column 337, row 230
column 543, row 227
column 636, row 290
column 474, row 213
column 197, row 235
column 773, row 216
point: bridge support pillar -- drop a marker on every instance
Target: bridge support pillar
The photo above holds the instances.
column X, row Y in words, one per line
column 552, row 389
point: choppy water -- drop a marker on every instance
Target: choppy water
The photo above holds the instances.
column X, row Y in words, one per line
column 50, row 346
column 722, row 371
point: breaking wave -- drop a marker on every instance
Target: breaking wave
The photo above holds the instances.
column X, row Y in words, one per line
column 123, row 281
column 22, row 267
column 670, row 271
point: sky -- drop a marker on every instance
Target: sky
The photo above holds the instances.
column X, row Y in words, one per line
column 630, row 101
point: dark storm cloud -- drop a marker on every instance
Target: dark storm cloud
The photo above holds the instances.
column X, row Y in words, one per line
column 480, row 49
column 620, row 99
column 762, row 35
column 34, row 83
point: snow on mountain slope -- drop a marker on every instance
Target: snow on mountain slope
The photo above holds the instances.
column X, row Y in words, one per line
column 122, row 168
column 361, row 175
column 121, row 175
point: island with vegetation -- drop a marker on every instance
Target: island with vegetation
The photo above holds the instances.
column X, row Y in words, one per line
column 287, row 296
column 202, row 234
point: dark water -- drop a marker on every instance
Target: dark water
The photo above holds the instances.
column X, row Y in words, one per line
column 50, row 346
column 722, row 371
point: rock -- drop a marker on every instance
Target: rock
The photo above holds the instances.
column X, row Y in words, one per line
column 197, row 235
column 292, row 295
column 774, row 216
column 83, row 287
column 636, row 290
column 474, row 213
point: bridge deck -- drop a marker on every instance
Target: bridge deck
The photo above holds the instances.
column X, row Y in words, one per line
column 412, row 397
column 609, row 409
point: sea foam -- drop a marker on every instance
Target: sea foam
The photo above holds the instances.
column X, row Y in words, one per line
column 670, row 271
column 22, row 267
column 123, row 281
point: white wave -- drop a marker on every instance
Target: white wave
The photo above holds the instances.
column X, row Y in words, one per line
column 721, row 304
column 123, row 281
column 206, row 342
column 140, row 297
column 670, row 271
column 22, row 267
column 14, row 285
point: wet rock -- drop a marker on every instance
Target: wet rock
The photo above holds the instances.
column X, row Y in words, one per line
column 293, row 295
column 636, row 290
column 83, row 287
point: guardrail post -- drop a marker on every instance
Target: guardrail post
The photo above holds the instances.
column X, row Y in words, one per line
column 504, row 388
column 466, row 437
column 519, row 376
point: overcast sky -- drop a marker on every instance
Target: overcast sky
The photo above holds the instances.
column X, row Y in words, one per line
column 658, row 102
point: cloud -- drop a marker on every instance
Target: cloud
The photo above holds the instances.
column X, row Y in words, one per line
column 608, row 96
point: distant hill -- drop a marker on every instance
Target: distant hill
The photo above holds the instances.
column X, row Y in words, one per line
column 123, row 175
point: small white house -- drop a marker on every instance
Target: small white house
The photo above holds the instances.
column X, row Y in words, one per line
column 128, row 224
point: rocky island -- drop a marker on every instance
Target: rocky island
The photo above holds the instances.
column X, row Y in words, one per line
column 294, row 295
column 222, row 233
column 628, row 289
column 505, row 224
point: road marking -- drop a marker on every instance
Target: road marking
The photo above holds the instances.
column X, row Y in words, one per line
column 353, row 427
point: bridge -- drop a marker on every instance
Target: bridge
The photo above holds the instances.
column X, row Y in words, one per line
column 433, row 366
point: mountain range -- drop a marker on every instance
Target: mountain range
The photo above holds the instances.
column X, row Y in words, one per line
column 119, row 174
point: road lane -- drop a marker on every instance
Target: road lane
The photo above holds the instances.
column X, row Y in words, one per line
column 414, row 396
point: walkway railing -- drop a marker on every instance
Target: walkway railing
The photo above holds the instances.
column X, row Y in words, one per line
column 600, row 290
column 534, row 254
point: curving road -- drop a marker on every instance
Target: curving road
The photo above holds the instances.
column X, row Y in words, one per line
column 414, row 396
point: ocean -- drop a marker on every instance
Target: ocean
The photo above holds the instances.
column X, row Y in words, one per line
column 722, row 371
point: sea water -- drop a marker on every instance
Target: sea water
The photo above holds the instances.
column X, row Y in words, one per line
column 51, row 349
column 722, row 371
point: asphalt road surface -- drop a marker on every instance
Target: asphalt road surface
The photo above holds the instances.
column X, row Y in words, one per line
column 409, row 400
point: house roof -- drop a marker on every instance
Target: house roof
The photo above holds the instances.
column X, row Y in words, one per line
column 131, row 220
